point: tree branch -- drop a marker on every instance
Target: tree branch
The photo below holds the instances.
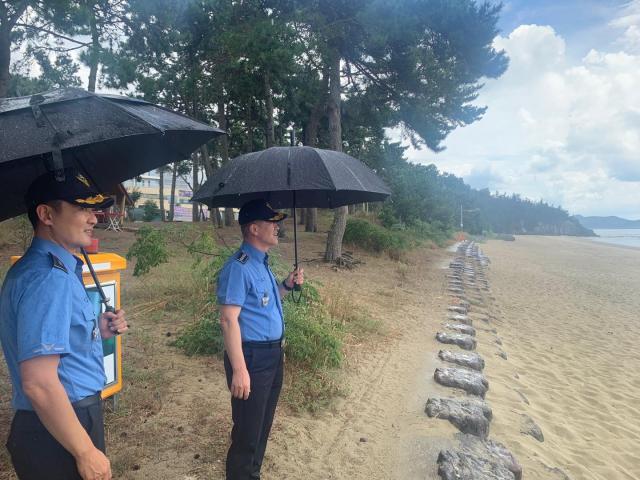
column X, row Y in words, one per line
column 55, row 34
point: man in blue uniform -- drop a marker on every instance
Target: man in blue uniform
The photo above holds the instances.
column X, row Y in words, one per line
column 52, row 340
column 253, row 327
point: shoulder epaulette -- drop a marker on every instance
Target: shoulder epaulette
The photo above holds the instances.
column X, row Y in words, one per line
column 242, row 257
column 57, row 263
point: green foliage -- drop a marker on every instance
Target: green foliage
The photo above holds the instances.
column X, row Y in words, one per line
column 149, row 250
column 135, row 195
column 375, row 238
column 313, row 337
column 436, row 232
column 203, row 337
column 151, row 211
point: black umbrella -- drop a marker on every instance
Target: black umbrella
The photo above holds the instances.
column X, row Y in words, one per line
column 109, row 138
column 290, row 177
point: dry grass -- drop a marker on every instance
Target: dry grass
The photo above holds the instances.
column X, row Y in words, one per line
column 172, row 416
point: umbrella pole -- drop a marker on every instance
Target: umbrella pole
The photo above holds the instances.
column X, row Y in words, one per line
column 296, row 287
column 103, row 297
column 295, row 232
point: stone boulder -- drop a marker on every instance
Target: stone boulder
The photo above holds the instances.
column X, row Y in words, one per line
column 461, row 328
column 460, row 318
column 466, row 342
column 478, row 459
column 469, row 416
column 468, row 380
column 464, row 359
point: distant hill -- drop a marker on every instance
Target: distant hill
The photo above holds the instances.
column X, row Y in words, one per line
column 607, row 222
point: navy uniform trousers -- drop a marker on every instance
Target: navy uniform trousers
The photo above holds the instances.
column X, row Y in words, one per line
column 252, row 418
column 36, row 455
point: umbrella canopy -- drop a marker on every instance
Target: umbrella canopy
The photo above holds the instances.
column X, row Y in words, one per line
column 290, row 177
column 110, row 138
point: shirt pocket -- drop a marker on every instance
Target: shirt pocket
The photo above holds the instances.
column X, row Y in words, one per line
column 262, row 291
column 82, row 329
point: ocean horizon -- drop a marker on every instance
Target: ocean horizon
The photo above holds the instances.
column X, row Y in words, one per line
column 628, row 237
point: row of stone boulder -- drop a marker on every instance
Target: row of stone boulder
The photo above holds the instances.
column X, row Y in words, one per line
column 477, row 457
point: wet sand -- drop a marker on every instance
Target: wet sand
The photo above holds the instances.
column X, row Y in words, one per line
column 568, row 316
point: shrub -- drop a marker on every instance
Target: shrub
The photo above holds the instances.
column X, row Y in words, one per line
column 203, row 337
column 149, row 250
column 434, row 231
column 151, row 211
column 375, row 238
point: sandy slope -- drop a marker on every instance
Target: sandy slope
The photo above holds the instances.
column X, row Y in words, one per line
column 568, row 319
column 379, row 430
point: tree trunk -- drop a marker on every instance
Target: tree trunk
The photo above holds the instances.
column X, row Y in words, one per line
column 172, row 199
column 334, row 239
column 311, row 220
column 228, row 217
column 195, row 213
column 249, row 119
column 218, row 217
column 94, row 51
column 301, row 215
column 311, row 140
column 161, row 199
column 270, row 134
column 208, row 165
column 5, row 60
column 224, row 154
column 6, row 26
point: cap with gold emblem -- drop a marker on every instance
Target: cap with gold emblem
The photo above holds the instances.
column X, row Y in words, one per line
column 259, row 210
column 75, row 189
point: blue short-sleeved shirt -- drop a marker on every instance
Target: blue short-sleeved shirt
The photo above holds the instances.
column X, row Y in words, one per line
column 247, row 281
column 45, row 310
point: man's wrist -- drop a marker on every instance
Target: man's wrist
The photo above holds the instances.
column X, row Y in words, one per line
column 286, row 287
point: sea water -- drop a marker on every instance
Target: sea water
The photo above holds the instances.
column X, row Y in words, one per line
column 629, row 237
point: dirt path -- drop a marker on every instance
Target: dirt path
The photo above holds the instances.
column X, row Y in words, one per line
column 379, row 430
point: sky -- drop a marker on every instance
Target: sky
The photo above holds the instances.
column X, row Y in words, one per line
column 563, row 122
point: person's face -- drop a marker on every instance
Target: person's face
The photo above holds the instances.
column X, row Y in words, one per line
column 266, row 233
column 68, row 225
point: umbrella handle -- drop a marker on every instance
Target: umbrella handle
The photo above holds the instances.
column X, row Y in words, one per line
column 296, row 288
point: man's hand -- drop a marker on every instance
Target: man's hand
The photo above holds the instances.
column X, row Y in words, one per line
column 295, row 278
column 241, row 384
column 93, row 465
column 112, row 323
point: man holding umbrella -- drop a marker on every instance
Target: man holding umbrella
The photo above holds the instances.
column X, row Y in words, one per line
column 252, row 323
column 52, row 340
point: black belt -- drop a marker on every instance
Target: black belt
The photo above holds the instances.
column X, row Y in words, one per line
column 267, row 344
column 88, row 401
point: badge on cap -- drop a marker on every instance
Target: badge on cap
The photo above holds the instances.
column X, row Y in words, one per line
column 92, row 200
column 81, row 178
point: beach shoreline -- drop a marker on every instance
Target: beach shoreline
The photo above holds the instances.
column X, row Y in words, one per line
column 566, row 318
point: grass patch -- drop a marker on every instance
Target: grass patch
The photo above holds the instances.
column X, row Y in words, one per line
column 202, row 337
column 363, row 231
column 375, row 238
column 316, row 328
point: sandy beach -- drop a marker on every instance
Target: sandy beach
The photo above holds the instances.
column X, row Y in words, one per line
column 567, row 315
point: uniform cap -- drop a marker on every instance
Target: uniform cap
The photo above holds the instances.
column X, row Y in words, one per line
column 75, row 189
column 259, row 210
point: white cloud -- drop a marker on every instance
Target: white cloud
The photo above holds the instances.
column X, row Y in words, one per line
column 566, row 133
